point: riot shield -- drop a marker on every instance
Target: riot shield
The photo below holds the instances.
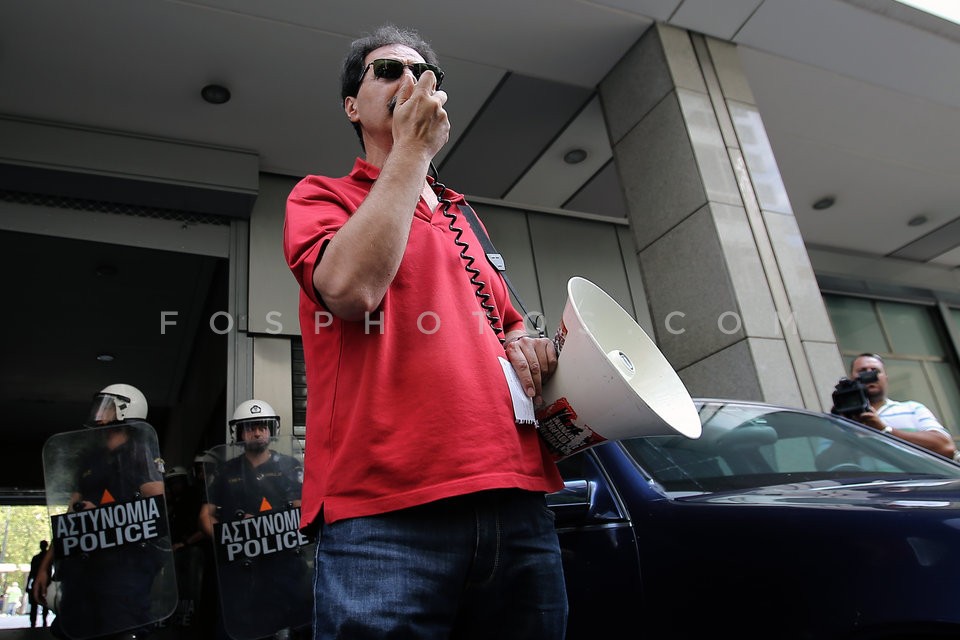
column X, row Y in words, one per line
column 113, row 561
column 264, row 563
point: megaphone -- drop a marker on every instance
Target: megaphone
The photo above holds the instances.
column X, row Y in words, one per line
column 611, row 381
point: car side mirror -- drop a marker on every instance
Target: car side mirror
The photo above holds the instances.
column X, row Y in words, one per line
column 571, row 505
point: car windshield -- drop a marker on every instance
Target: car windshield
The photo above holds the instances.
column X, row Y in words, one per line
column 745, row 446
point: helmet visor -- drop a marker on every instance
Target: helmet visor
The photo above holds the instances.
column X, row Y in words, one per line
column 262, row 424
column 102, row 411
column 256, row 434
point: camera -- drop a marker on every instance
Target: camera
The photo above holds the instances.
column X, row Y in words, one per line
column 850, row 396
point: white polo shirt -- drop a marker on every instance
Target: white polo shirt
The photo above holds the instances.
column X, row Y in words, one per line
column 910, row 416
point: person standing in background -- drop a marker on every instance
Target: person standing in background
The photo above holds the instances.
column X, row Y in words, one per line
column 35, row 563
column 907, row 419
column 11, row 598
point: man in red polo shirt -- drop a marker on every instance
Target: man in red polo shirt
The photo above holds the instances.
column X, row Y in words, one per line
column 422, row 475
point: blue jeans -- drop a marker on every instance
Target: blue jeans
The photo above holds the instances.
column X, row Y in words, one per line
column 485, row 565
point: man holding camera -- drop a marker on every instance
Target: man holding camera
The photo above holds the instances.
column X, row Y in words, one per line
column 908, row 420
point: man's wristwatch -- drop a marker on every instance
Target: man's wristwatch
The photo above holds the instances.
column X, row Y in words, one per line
column 887, row 429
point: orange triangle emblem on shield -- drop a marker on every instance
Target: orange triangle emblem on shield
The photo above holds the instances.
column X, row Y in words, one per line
column 265, row 505
column 106, row 498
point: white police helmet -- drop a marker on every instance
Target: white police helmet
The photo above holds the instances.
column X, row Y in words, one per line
column 202, row 463
column 254, row 412
column 52, row 596
column 117, row 402
column 176, row 472
column 204, row 457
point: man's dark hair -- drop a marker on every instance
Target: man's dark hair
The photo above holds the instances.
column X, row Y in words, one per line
column 359, row 49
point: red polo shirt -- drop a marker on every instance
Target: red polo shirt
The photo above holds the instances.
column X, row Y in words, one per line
column 411, row 406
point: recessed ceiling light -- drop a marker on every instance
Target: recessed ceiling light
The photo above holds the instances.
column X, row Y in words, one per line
column 824, row 203
column 917, row 220
column 105, row 357
column 215, row 94
column 575, row 156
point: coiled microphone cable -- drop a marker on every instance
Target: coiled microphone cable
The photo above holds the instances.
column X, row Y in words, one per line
column 480, row 286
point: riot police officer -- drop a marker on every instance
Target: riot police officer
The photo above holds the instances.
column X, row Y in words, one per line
column 260, row 479
column 249, row 494
column 107, row 563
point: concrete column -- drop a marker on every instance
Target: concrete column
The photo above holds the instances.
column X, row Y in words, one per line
column 734, row 302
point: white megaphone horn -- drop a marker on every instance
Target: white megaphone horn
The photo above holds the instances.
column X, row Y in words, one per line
column 611, row 381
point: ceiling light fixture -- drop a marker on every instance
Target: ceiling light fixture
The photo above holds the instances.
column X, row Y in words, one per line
column 215, row 94
column 824, row 203
column 105, row 357
column 575, row 156
column 917, row 220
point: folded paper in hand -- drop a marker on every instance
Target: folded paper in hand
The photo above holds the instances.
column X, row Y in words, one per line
column 522, row 404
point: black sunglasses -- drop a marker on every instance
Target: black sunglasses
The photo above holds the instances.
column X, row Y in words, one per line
column 392, row 69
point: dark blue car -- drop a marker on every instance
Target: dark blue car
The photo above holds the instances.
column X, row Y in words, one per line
column 775, row 523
